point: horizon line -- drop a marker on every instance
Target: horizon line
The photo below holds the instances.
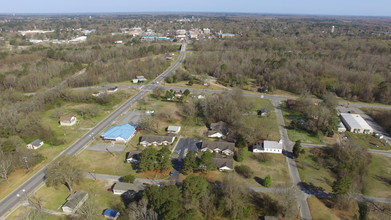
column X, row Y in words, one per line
column 186, row 12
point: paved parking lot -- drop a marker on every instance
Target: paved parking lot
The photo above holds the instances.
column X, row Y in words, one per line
column 185, row 145
column 132, row 117
column 117, row 148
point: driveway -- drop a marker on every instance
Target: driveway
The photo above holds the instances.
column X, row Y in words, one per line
column 117, row 148
column 132, row 117
column 185, row 145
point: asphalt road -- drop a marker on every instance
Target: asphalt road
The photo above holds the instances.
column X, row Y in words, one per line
column 185, row 145
column 37, row 179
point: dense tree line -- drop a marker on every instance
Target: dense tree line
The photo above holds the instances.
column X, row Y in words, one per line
column 354, row 68
column 382, row 117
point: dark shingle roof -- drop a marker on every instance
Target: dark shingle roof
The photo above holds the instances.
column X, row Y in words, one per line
column 220, row 127
column 221, row 162
column 74, row 199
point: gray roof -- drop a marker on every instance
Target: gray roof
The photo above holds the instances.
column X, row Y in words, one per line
column 128, row 186
column 174, row 128
column 219, row 127
column 74, row 199
column 219, row 162
column 272, row 145
column 222, row 145
column 157, row 138
column 355, row 121
column 36, row 142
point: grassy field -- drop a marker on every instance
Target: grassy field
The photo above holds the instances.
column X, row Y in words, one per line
column 369, row 141
column 298, row 134
column 313, row 174
column 320, row 211
column 379, row 177
column 22, row 212
column 276, row 167
column 105, row 163
column 54, row 198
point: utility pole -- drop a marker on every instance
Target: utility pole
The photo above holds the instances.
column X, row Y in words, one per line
column 27, row 164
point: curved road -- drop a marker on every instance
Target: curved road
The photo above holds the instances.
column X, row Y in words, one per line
column 13, row 199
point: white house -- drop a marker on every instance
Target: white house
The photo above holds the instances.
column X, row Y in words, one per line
column 74, row 202
column 355, row 123
column 147, row 140
column 68, row 120
column 174, row 129
column 221, row 147
column 268, row 147
column 35, row 144
column 223, row 164
column 218, row 130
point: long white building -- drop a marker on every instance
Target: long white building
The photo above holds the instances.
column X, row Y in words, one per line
column 355, row 123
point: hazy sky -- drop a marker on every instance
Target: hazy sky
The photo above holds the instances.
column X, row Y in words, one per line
column 317, row 7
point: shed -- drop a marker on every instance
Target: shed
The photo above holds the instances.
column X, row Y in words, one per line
column 173, row 129
column 35, row 144
column 74, row 201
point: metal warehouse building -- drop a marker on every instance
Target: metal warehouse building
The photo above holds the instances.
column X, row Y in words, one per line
column 355, row 123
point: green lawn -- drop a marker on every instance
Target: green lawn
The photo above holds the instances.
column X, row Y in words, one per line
column 313, row 174
column 275, row 166
column 368, row 141
column 299, row 134
column 379, row 177
column 54, row 198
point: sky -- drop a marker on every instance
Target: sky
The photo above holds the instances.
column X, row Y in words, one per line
column 306, row 7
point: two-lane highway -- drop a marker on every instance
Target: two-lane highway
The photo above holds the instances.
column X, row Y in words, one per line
column 7, row 204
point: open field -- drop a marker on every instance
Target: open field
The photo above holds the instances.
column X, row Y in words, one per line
column 320, row 211
column 379, row 177
column 24, row 212
column 313, row 174
column 369, row 141
column 275, row 166
column 299, row 134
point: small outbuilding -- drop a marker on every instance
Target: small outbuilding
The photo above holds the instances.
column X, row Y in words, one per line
column 173, row 129
column 263, row 112
column 68, row 120
column 75, row 201
column 218, row 130
column 341, row 128
column 133, row 156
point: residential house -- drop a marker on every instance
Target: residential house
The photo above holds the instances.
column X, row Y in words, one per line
column 263, row 112
column 147, row 140
column 355, row 123
column 218, row 130
column 112, row 89
column 120, row 188
column 68, row 120
column 139, row 79
column 221, row 147
column 119, row 134
column 223, row 164
column 173, row 129
column 35, row 144
column 133, row 156
column 268, row 147
column 74, row 202
column 111, row 214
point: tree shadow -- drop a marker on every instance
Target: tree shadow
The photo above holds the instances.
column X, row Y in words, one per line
column 383, row 179
column 288, row 154
column 259, row 180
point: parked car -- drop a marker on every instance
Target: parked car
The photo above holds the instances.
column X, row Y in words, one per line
column 171, row 173
column 378, row 136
